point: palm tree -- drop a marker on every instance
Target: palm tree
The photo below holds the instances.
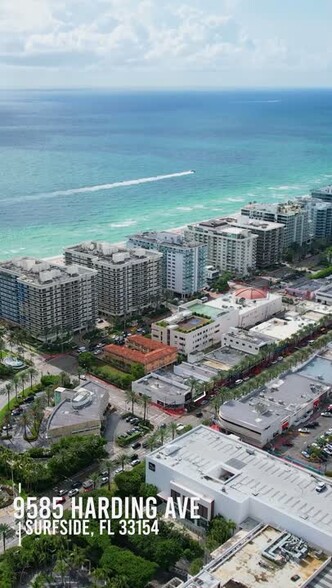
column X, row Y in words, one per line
column 95, row 478
column 39, row 581
column 77, row 558
column 5, row 532
column 16, row 381
column 2, row 347
column 172, row 428
column 9, row 388
column 32, row 373
column 100, row 577
column 131, row 396
column 61, row 567
column 123, row 459
column 109, row 464
column 24, row 422
column 146, row 400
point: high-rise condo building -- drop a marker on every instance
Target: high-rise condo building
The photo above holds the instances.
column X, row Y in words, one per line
column 293, row 215
column 47, row 300
column 323, row 193
column 128, row 280
column 229, row 248
column 184, row 262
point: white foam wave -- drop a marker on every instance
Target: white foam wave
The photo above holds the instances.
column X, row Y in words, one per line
column 230, row 199
column 127, row 223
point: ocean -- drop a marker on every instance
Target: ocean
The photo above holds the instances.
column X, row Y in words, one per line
column 65, row 154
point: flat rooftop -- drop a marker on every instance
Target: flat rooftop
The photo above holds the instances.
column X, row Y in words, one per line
column 64, row 414
column 244, row 565
column 168, row 238
column 319, row 368
column 113, row 254
column 164, row 386
column 39, row 272
column 280, row 329
column 222, row 359
column 219, row 463
column 280, row 399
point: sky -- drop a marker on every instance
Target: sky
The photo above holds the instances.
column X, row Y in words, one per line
column 165, row 43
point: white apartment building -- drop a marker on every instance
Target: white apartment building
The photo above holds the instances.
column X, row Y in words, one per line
column 47, row 300
column 184, row 263
column 229, row 248
column 128, row 279
column 231, row 478
column 266, row 413
column 196, row 326
column 293, row 215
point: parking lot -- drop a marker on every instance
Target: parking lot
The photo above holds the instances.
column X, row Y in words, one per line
column 295, row 442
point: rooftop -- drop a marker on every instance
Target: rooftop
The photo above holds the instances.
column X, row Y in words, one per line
column 245, row 562
column 113, row 254
column 82, row 404
column 213, row 462
column 319, row 369
column 280, row 329
column 169, row 387
column 30, row 270
column 250, row 293
column 279, row 399
column 174, row 239
column 141, row 350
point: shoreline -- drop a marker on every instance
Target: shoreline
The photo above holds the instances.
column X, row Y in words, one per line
column 58, row 259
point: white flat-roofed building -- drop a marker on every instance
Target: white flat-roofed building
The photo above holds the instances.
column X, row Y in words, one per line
column 184, row 262
column 231, row 478
column 128, row 279
column 270, row 411
column 324, row 295
column 78, row 412
column 277, row 329
column 244, row 341
column 195, row 327
column 48, row 301
column 163, row 391
column 254, row 305
column 229, row 248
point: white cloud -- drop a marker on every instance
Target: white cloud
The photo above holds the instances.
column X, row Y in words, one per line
column 127, row 33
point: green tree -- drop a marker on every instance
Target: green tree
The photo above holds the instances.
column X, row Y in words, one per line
column 132, row 397
column 195, row 566
column 121, row 562
column 5, row 532
column 8, row 390
column 86, row 360
column 146, row 400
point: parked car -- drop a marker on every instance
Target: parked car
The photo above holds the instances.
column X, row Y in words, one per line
column 320, row 487
column 136, row 445
column 76, row 484
column 60, row 500
column 83, row 377
column 73, row 492
column 135, row 462
column 104, row 473
column 62, row 492
column 88, row 484
column 305, row 454
column 199, row 414
column 304, row 430
column 32, row 398
column 326, row 414
column 104, row 480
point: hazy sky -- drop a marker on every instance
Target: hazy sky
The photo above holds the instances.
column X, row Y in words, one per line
column 165, row 43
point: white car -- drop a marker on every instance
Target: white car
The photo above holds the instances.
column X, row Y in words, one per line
column 83, row 377
column 320, row 487
column 73, row 492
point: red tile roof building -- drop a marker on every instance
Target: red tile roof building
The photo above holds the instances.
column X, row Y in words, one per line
column 150, row 354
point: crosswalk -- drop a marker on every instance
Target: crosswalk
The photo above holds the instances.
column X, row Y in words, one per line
column 324, row 578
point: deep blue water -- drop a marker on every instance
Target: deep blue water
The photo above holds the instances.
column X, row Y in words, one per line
column 243, row 145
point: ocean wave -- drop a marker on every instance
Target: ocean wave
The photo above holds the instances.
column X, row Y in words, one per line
column 100, row 187
column 233, row 199
column 127, row 223
column 282, row 188
column 189, row 208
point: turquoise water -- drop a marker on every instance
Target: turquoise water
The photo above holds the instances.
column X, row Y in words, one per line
column 243, row 146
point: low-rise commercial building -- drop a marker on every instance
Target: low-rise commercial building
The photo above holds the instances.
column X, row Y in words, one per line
column 78, row 412
column 48, row 301
column 280, row 329
column 254, row 305
column 196, row 326
column 231, row 478
column 245, row 341
column 128, row 280
column 267, row 555
column 139, row 350
column 164, row 391
column 184, row 262
column 270, row 411
column 304, row 288
column 324, row 294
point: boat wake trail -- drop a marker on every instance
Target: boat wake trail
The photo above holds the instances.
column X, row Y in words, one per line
column 100, row 187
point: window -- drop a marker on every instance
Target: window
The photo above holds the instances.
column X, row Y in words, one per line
column 152, row 466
